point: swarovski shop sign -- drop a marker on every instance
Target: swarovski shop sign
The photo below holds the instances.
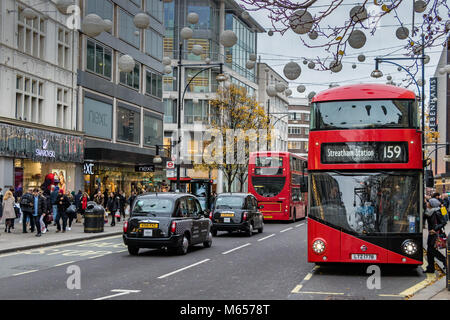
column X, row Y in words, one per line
column 39, row 145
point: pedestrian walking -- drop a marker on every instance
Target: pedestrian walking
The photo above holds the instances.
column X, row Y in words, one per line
column 99, row 199
column 71, row 211
column 84, row 201
column 122, row 203
column 113, row 206
column 1, row 202
column 53, row 196
column 446, row 204
column 27, row 206
column 435, row 222
column 63, row 203
column 8, row 212
column 39, row 208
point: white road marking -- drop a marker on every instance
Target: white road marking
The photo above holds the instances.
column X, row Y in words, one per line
column 301, row 224
column 237, row 248
column 267, row 237
column 25, row 272
column 121, row 292
column 182, row 269
column 61, row 264
column 286, row 229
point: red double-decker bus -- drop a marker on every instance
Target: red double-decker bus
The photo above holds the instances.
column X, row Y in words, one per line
column 365, row 176
column 278, row 180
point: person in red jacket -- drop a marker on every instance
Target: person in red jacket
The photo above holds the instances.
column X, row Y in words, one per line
column 84, row 201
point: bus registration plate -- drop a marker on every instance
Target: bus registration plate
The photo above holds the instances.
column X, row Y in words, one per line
column 359, row 256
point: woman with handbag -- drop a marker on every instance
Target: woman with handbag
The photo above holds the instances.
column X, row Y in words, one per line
column 8, row 212
column 71, row 211
column 436, row 223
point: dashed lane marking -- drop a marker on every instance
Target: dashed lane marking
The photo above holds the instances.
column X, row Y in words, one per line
column 237, row 248
column 61, row 264
column 25, row 272
column 286, row 229
column 301, row 224
column 182, row 269
column 270, row 236
column 120, row 292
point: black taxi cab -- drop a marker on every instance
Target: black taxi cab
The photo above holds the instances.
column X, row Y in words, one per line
column 171, row 220
column 236, row 212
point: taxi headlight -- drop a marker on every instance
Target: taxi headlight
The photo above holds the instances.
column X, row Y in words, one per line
column 318, row 246
column 409, row 247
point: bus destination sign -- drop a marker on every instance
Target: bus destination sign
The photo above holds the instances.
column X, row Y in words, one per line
column 364, row 152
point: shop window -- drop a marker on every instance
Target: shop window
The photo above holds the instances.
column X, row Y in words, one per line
column 99, row 59
column 153, row 130
column 132, row 78
column 128, row 125
column 127, row 30
column 153, row 84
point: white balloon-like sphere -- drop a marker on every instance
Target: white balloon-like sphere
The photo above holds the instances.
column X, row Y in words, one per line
column 141, row 20
column 197, row 49
column 228, row 38
column 420, row 6
column 292, row 70
column 426, row 59
column 252, row 57
column 402, row 33
column 311, row 65
column 271, row 91
column 250, row 64
column 288, row 92
column 193, row 18
column 166, row 61
column 126, row 63
column 280, row 87
column 186, row 33
column 358, row 13
column 301, row 21
column 311, row 95
column 353, row 66
column 270, row 33
column 313, row 35
column 63, row 5
column 108, row 25
column 335, row 66
column 92, row 25
column 207, row 60
column 301, row 88
column 167, row 69
column 357, row 39
column 361, row 58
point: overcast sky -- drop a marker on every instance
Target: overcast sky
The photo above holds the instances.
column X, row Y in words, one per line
column 278, row 50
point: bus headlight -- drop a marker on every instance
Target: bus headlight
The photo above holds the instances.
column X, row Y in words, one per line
column 318, row 246
column 409, row 247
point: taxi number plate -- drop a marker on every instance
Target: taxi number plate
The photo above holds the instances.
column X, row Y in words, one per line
column 226, row 219
column 227, row 215
column 358, row 256
column 148, row 225
column 148, row 232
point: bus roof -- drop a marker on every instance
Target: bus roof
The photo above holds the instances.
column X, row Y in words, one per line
column 367, row 91
column 272, row 153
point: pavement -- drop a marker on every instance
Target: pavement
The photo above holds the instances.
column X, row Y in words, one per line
column 17, row 241
column 432, row 289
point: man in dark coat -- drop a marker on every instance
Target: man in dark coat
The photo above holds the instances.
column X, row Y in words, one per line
column 39, row 208
column 435, row 222
column 63, row 203
column 27, row 206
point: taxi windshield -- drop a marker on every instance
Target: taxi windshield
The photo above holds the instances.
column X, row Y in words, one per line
column 229, row 202
column 152, row 207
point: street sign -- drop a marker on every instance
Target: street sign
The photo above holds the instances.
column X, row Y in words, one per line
column 170, row 164
column 170, row 173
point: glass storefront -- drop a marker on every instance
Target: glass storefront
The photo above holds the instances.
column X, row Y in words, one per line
column 123, row 178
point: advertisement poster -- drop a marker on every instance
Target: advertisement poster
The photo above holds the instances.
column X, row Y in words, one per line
column 60, row 174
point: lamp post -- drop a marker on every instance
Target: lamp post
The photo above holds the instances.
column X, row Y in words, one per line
column 220, row 78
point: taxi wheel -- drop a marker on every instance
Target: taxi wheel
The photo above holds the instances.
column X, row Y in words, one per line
column 182, row 250
column 208, row 242
column 250, row 230
column 133, row 250
column 214, row 233
column 260, row 230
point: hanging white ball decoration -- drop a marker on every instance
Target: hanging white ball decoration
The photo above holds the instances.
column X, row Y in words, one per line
column 301, row 88
column 420, row 6
column 361, row 58
column 353, row 66
column 63, row 5
column 108, row 25
column 270, row 33
column 305, row 62
column 280, row 87
column 207, row 60
column 92, row 25
column 228, row 38
column 335, row 66
column 141, row 20
column 357, row 39
column 167, row 69
column 186, row 33
column 399, row 69
column 126, row 63
column 311, row 65
column 252, row 57
column 313, row 35
column 311, row 95
column 250, row 64
column 271, row 91
column 358, row 13
column 389, row 78
column 166, row 61
column 288, row 92
column 402, row 33
column 29, row 14
column 292, row 70
column 427, row 59
column 193, row 18
column 301, row 21
column 197, row 49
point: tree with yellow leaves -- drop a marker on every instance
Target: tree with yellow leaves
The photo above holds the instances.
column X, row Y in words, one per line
column 241, row 126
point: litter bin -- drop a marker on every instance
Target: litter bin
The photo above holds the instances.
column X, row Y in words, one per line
column 94, row 218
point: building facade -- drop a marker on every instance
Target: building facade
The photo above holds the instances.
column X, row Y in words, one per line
column 214, row 17
column 121, row 112
column 40, row 132
column 439, row 118
column 298, row 131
